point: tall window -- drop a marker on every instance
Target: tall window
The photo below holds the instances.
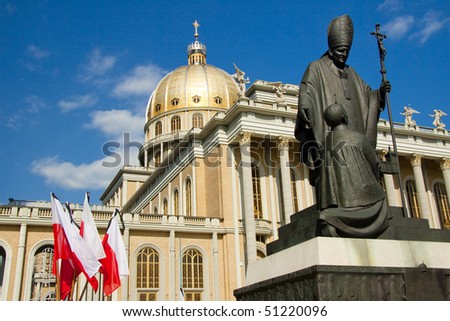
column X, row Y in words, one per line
column 257, row 203
column 413, row 200
column 175, row 124
column 165, row 206
column 176, row 207
column 188, row 197
column 442, row 204
column 43, row 280
column 192, row 268
column 294, row 191
column 155, row 210
column 197, row 120
column 147, row 274
column 158, row 128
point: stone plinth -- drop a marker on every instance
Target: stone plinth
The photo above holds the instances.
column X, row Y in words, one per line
column 351, row 269
column 408, row 261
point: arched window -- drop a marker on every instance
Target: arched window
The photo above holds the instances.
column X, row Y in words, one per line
column 441, row 198
column 188, row 193
column 197, row 120
column 155, row 210
column 147, row 274
column 294, row 191
column 43, row 280
column 2, row 268
column 176, row 207
column 175, row 124
column 165, row 206
column 257, row 203
column 158, row 129
column 192, row 268
column 412, row 199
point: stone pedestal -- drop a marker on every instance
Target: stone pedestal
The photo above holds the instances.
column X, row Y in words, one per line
column 408, row 262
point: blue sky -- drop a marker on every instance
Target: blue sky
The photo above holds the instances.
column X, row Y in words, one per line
column 75, row 75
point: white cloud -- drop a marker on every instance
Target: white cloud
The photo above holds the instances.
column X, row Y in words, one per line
column 122, row 149
column 140, row 82
column 14, row 121
column 35, row 103
column 397, row 28
column 114, row 123
column 77, row 102
column 70, row 176
column 390, row 5
column 36, row 52
column 98, row 65
column 431, row 23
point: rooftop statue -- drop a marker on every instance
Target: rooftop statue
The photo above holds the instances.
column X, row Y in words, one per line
column 438, row 114
column 408, row 112
column 330, row 81
column 239, row 76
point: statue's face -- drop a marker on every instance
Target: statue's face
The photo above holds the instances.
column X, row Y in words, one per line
column 339, row 55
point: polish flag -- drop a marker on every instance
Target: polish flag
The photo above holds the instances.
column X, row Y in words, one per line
column 89, row 233
column 70, row 246
column 63, row 267
column 115, row 264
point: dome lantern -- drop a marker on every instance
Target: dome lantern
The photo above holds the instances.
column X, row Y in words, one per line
column 196, row 51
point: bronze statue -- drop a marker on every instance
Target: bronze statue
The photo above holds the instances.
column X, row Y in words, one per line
column 358, row 201
column 328, row 81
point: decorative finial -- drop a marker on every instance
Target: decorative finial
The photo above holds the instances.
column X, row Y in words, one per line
column 196, row 51
column 196, row 25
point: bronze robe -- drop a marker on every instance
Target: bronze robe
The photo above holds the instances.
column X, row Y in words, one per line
column 323, row 85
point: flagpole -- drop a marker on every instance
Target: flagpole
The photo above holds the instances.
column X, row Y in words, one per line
column 72, row 286
column 58, row 280
column 84, row 290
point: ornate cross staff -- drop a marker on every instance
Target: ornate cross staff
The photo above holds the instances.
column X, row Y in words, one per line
column 382, row 52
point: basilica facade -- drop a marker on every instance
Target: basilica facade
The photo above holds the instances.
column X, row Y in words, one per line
column 219, row 173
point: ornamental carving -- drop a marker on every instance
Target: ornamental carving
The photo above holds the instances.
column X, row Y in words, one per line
column 283, row 142
column 416, row 160
column 445, row 164
column 245, row 138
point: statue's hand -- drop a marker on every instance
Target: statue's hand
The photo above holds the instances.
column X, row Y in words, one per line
column 385, row 87
column 303, row 112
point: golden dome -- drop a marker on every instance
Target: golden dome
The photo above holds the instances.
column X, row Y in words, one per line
column 196, row 86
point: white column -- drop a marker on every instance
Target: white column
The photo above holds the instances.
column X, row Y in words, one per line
column 247, row 193
column 309, row 190
column 286, row 188
column 391, row 193
column 234, row 189
column 172, row 279
column 19, row 263
column 445, row 168
column 216, row 274
column 145, row 157
column 125, row 193
column 416, row 163
column 194, row 188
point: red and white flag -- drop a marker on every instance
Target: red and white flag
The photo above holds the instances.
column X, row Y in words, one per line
column 115, row 264
column 63, row 264
column 89, row 231
column 69, row 245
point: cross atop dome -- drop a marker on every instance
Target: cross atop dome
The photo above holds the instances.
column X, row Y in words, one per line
column 196, row 25
column 196, row 51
